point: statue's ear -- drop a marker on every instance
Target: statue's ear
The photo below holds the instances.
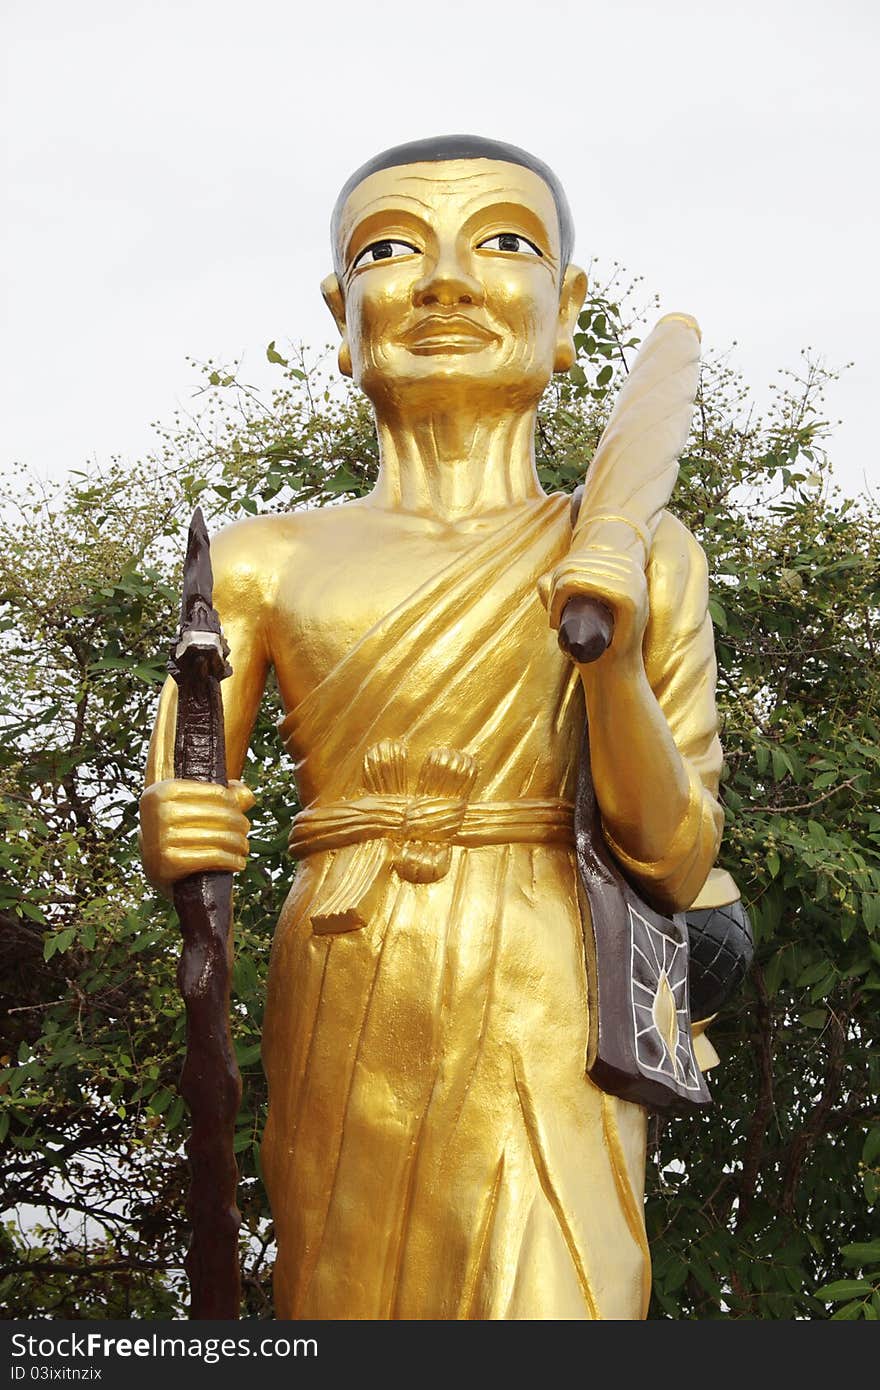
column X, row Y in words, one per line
column 333, row 298
column 332, row 292
column 571, row 298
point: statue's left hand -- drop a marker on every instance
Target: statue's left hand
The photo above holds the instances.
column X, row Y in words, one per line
column 586, row 629
column 616, row 580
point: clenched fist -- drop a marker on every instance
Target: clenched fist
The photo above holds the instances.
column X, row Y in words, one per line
column 609, row 568
column 192, row 827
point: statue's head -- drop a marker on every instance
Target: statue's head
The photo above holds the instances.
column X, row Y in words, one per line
column 452, row 274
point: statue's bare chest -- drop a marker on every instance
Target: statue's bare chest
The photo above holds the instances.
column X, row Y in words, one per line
column 343, row 586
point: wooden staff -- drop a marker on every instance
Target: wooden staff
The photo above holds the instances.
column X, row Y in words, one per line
column 210, row 1082
column 635, row 465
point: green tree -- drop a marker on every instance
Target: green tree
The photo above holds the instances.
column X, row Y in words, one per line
column 761, row 1208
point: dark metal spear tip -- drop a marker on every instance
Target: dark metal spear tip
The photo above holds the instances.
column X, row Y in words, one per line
column 200, row 636
column 198, row 576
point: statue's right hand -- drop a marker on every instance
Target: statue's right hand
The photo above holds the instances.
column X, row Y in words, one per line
column 192, row 827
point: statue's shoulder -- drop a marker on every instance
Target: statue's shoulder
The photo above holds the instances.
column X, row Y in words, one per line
column 257, row 550
column 677, row 571
column 675, row 546
column 249, row 545
column 258, row 540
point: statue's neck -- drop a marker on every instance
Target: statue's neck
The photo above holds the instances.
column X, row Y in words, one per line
column 451, row 465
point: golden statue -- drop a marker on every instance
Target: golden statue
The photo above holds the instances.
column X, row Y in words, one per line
column 434, row 1147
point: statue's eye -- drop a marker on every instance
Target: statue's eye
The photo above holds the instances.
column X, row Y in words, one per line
column 510, row 241
column 384, row 251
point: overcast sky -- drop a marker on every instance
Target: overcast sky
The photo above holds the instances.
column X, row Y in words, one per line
column 171, row 167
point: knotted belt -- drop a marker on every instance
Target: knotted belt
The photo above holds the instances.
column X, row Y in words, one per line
column 411, row 832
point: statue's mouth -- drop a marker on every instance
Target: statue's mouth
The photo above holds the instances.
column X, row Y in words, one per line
column 448, row 333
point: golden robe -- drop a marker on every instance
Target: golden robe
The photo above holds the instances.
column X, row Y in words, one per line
column 434, row 1149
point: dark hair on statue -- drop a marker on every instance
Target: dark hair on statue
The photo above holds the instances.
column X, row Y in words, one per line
column 440, row 147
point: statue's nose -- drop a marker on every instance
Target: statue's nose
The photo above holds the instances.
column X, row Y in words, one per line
column 448, row 280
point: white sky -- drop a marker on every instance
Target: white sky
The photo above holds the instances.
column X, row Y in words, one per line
column 171, row 166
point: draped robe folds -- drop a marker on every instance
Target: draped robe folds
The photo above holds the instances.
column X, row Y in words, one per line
column 434, row 1148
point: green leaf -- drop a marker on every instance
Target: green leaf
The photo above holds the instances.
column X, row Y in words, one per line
column 871, row 910
column 147, row 939
column 817, row 832
column 676, row 1277
column 175, row 1114
column 32, row 911
column 273, row 356
column 719, row 617
column 848, row 1313
column 244, row 976
column 780, row 763
column 871, row 1149
column 774, row 972
column 843, row 1288
column 862, row 1254
column 151, row 674
column 160, row 1100
column 247, row 1053
column 813, row 972
column 816, row 1018
column 342, row 481
column 58, row 943
column 825, row 779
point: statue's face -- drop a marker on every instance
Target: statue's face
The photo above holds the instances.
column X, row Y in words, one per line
column 450, row 284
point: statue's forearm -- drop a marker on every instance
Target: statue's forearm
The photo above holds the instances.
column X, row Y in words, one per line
column 641, row 782
column 653, row 804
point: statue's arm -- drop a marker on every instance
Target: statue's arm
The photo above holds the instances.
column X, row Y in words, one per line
column 653, row 723
column 188, row 827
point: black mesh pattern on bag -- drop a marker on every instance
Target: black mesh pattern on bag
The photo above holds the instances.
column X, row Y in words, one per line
column 721, row 951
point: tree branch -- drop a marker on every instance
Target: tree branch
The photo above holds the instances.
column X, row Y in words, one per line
column 818, row 1117
column 82, row 1271
column 801, row 805
column 762, row 1046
